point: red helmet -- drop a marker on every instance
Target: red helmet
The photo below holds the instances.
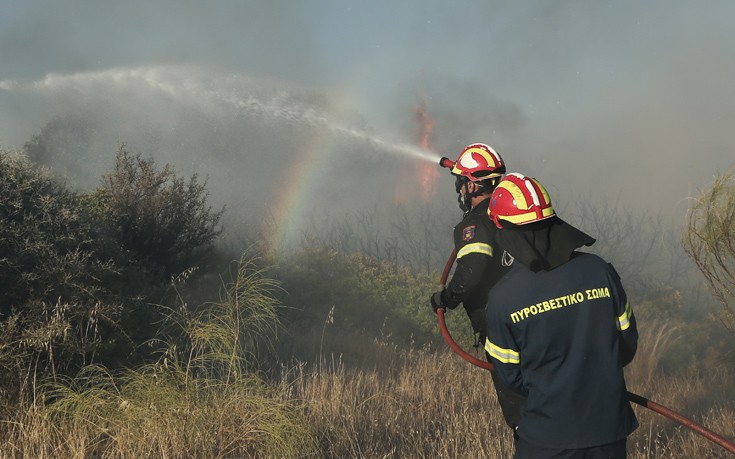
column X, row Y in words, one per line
column 519, row 200
column 478, row 162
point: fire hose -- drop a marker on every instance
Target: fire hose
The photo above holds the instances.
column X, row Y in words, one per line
column 642, row 401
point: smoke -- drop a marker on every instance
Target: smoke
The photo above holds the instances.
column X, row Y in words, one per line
column 617, row 101
column 268, row 151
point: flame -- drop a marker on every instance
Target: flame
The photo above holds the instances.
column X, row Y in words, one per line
column 428, row 173
column 424, row 174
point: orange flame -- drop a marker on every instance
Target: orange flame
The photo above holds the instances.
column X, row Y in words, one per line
column 428, row 172
column 424, row 174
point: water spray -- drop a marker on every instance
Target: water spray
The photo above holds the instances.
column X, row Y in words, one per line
column 188, row 84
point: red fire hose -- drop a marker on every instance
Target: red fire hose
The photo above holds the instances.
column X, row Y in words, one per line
column 728, row 445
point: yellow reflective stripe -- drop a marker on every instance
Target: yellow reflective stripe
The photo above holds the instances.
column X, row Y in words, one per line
column 500, row 354
column 624, row 319
column 543, row 191
column 528, row 216
column 477, row 247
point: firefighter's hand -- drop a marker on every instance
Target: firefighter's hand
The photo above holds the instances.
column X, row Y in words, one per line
column 437, row 302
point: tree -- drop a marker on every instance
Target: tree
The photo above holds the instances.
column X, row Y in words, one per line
column 709, row 240
column 159, row 218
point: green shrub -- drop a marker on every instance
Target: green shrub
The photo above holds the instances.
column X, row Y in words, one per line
column 69, row 261
column 55, row 302
column 157, row 217
column 358, row 308
column 200, row 399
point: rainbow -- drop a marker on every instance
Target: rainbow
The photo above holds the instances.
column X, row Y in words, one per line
column 292, row 203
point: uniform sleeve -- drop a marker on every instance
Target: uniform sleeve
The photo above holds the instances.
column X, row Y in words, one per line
column 504, row 351
column 474, row 254
column 625, row 321
column 466, row 278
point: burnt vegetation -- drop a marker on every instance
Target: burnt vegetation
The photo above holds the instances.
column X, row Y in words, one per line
column 127, row 330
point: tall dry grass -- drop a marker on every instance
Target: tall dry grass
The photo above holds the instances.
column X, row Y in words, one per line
column 429, row 406
column 704, row 400
column 204, row 399
column 426, row 405
column 201, row 400
column 654, row 341
column 439, row 406
column 151, row 413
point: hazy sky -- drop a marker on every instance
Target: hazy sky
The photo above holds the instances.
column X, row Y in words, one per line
column 628, row 101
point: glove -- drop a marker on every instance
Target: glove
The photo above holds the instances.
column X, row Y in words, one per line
column 436, row 302
column 439, row 300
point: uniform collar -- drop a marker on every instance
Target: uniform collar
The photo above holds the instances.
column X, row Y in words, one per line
column 481, row 208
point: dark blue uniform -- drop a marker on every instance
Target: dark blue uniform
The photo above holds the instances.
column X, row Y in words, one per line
column 561, row 337
column 480, row 264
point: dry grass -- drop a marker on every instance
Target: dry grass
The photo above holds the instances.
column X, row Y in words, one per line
column 434, row 406
column 426, row 405
column 150, row 414
column 653, row 343
column 438, row 406
column 706, row 401
column 200, row 400
column 204, row 400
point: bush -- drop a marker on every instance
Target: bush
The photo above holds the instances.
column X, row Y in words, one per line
column 55, row 298
column 200, row 399
column 359, row 308
column 710, row 241
column 158, row 218
column 69, row 261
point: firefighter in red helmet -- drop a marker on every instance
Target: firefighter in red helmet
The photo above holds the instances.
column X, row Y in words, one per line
column 480, row 261
column 477, row 171
column 559, row 331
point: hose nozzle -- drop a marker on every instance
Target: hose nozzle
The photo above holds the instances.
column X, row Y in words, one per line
column 446, row 162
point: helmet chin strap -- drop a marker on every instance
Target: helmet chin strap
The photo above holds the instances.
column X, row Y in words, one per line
column 465, row 202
